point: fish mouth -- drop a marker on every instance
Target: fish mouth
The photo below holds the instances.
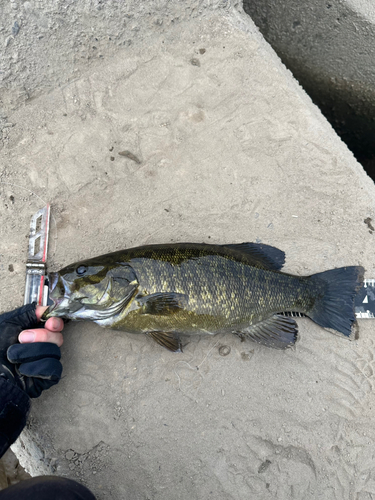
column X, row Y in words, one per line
column 62, row 305
column 56, row 303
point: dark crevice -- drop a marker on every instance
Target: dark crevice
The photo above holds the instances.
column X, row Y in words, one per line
column 349, row 106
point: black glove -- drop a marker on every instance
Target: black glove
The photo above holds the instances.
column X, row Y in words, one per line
column 33, row 367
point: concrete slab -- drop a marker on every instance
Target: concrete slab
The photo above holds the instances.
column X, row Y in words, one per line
column 231, row 150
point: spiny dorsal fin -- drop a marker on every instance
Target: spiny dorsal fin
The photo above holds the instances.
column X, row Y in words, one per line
column 169, row 340
column 267, row 256
column 279, row 332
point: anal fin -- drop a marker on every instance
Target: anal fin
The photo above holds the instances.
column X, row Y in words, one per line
column 169, row 340
column 278, row 332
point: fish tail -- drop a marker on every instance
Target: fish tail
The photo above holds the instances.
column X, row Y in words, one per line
column 335, row 306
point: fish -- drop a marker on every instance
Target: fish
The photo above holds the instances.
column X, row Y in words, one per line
column 168, row 290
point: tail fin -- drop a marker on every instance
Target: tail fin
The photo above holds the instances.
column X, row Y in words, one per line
column 335, row 309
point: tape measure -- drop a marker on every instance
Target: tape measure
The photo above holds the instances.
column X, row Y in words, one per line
column 36, row 289
column 365, row 300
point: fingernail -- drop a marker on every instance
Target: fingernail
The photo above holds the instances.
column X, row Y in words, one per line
column 27, row 336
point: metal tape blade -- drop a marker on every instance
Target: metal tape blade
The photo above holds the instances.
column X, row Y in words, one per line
column 37, row 257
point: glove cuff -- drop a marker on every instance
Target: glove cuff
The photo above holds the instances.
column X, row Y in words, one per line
column 13, row 413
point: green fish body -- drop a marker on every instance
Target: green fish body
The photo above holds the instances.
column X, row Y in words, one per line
column 168, row 290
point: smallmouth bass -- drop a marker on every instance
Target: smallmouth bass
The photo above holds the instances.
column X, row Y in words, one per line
column 167, row 290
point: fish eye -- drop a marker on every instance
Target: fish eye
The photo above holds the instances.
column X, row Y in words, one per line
column 81, row 270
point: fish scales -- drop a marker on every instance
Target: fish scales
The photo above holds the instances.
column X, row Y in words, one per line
column 173, row 289
column 221, row 293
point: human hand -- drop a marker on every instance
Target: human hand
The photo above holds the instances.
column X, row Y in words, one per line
column 51, row 332
column 33, row 364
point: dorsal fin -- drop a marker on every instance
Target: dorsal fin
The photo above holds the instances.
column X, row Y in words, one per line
column 267, row 256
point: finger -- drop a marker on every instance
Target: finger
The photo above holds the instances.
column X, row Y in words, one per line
column 54, row 324
column 41, row 335
column 39, row 311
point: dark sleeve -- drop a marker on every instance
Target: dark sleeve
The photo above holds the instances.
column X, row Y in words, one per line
column 14, row 409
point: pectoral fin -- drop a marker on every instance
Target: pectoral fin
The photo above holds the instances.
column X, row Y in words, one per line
column 279, row 332
column 163, row 303
column 169, row 340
